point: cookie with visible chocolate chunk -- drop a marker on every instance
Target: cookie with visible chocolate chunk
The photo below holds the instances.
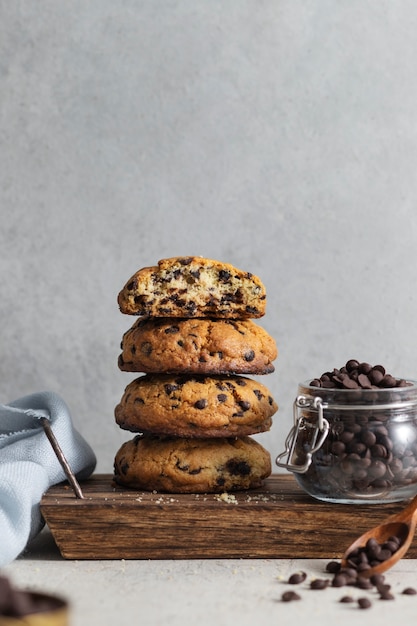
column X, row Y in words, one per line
column 195, row 406
column 197, row 346
column 191, row 465
column 193, row 287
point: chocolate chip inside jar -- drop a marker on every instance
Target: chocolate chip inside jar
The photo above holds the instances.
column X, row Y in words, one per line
column 356, row 375
column 370, row 451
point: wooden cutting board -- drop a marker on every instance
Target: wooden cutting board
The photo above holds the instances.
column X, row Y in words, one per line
column 277, row 521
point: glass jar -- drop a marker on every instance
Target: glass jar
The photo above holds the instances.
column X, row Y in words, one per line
column 354, row 446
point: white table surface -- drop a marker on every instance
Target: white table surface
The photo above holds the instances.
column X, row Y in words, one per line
column 203, row 592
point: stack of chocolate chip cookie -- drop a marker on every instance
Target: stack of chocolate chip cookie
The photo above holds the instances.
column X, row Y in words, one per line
column 194, row 407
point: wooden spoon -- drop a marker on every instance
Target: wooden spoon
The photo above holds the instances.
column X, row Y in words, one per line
column 401, row 525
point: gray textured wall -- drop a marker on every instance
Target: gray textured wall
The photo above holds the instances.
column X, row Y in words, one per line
column 278, row 135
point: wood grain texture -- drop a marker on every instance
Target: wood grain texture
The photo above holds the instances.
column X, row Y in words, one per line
column 277, row 521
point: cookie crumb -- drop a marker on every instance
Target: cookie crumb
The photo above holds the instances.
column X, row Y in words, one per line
column 226, row 497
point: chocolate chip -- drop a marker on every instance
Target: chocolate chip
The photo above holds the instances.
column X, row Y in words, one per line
column 195, row 471
column 290, row 596
column 377, row 579
column 364, row 381
column 239, row 295
column 402, row 383
column 368, row 438
column 379, row 450
column 352, row 364
column 346, row 599
column 132, row 285
column 315, row 383
column 201, row 404
column 296, row 579
column 386, row 595
column 364, row 603
column 249, row 356
column 171, row 330
column 237, row 467
column 338, row 448
column 391, row 546
column 333, row 567
column 377, row 468
column 185, row 260
column 364, row 583
column 351, row 574
column 349, row 383
column 170, row 388
column 388, row 381
column 319, row 583
column 221, row 397
column 182, row 468
column 409, row 591
column 191, row 307
column 364, row 368
column 224, row 276
column 146, row 348
column 375, row 376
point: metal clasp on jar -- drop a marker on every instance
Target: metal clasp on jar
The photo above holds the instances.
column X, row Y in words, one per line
column 317, row 432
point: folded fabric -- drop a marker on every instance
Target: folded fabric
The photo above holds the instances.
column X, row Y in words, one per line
column 29, row 465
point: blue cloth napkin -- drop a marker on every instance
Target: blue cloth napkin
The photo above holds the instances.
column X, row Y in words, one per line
column 29, row 465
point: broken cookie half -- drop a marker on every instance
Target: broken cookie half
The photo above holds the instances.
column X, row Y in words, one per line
column 193, row 286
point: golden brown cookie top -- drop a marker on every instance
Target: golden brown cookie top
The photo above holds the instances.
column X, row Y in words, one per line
column 195, row 406
column 192, row 286
column 190, row 465
column 197, row 346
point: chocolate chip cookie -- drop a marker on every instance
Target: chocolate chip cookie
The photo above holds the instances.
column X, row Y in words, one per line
column 195, row 406
column 197, row 346
column 191, row 465
column 193, row 287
